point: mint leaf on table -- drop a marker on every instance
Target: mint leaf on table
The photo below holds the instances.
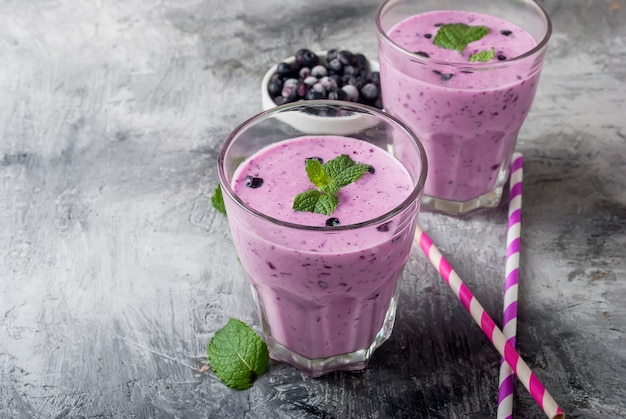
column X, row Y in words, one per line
column 218, row 200
column 458, row 35
column 237, row 355
column 483, row 56
column 328, row 178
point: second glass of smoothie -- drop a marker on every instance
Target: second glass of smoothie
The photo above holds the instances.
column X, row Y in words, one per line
column 466, row 102
column 325, row 284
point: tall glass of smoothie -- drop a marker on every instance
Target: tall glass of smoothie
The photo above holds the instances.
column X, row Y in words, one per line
column 325, row 282
column 462, row 74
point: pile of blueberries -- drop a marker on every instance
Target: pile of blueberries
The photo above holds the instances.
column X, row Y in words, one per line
column 342, row 76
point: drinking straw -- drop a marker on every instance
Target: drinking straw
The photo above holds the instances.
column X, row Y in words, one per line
column 488, row 326
column 511, row 272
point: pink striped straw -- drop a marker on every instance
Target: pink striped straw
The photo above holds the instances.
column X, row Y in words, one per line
column 489, row 328
column 509, row 315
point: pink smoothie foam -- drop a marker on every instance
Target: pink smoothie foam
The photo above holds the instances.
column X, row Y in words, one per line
column 467, row 117
column 323, row 293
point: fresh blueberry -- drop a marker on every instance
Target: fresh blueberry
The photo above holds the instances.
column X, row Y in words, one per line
column 319, row 87
column 329, row 83
column 279, row 100
column 331, row 54
column 337, row 79
column 347, row 79
column 253, row 182
column 319, row 71
column 304, row 72
column 350, row 70
column 422, row 54
column 313, row 94
column 345, row 57
column 311, row 80
column 335, row 65
column 352, row 92
column 289, row 86
column 506, row 32
column 332, row 222
column 375, row 77
column 306, row 58
column 359, row 60
column 285, row 69
column 338, row 94
column 275, row 88
column 369, row 92
column 359, row 82
column 302, row 89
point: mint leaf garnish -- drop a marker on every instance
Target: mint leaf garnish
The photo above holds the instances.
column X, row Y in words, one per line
column 237, row 355
column 458, row 35
column 328, row 178
column 306, row 201
column 316, row 173
column 218, row 200
column 483, row 56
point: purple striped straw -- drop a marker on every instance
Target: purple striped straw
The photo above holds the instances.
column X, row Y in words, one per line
column 509, row 315
column 488, row 326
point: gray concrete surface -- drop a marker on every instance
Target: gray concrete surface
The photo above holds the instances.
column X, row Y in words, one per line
column 115, row 271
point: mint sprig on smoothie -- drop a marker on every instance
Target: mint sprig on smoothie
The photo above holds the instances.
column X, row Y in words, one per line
column 328, row 177
column 458, row 35
column 483, row 56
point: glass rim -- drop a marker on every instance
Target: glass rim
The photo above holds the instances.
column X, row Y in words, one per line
column 496, row 65
column 418, row 187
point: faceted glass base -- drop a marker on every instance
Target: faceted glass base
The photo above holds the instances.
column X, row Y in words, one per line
column 353, row 361
column 489, row 200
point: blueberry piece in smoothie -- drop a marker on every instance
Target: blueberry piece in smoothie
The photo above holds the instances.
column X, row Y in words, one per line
column 428, row 35
column 371, row 170
column 332, row 222
column 446, row 77
column 506, row 32
column 501, row 57
column 253, row 182
column 422, row 54
column 383, row 227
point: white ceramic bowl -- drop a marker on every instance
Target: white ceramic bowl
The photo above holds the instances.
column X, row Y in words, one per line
column 314, row 124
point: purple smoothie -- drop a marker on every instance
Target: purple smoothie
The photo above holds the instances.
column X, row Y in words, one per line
column 467, row 115
column 331, row 291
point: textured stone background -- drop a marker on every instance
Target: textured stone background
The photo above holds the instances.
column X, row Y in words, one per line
column 115, row 271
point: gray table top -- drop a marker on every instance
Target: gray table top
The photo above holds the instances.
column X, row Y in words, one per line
column 115, row 271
